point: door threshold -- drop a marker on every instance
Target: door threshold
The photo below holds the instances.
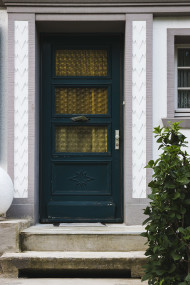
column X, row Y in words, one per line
column 74, row 224
column 87, row 225
column 87, row 228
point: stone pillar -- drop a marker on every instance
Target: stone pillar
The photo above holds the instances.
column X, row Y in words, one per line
column 137, row 114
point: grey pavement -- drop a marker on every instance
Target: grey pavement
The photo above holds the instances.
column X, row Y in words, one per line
column 71, row 281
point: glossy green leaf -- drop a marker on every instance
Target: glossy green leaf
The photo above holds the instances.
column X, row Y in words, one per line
column 168, row 224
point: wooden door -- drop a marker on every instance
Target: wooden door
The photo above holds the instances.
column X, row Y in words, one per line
column 81, row 129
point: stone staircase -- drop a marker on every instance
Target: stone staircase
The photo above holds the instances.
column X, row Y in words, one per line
column 77, row 248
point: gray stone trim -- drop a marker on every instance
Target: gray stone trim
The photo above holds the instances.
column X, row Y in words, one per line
column 132, row 204
column 127, row 128
column 96, row 1
column 19, row 203
column 159, row 10
column 21, row 210
column 36, row 131
column 149, row 99
column 170, row 74
column 135, row 214
column 3, row 86
column 10, row 108
column 185, row 122
column 33, row 126
column 76, row 17
column 171, row 33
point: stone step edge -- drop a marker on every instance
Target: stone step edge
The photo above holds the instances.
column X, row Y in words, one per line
column 27, row 232
column 68, row 230
column 74, row 254
column 11, row 263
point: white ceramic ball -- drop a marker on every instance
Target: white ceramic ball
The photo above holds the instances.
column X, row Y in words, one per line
column 6, row 191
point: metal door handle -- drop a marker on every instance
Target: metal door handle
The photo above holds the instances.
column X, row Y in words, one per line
column 116, row 139
column 79, row 118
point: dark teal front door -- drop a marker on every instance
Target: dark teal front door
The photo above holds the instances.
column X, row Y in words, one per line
column 81, row 129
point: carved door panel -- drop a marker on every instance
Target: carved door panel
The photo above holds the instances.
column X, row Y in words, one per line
column 81, row 166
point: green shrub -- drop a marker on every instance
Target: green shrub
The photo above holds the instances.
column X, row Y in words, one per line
column 168, row 223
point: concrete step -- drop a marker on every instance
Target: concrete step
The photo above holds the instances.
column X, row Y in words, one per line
column 9, row 234
column 14, row 263
column 83, row 238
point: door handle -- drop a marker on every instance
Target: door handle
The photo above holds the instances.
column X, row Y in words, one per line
column 116, row 139
column 79, row 118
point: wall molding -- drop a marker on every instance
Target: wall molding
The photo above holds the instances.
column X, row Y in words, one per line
column 97, row 2
column 171, row 35
column 21, row 198
column 134, row 206
column 138, row 109
column 184, row 122
column 21, row 109
column 158, row 10
column 79, row 17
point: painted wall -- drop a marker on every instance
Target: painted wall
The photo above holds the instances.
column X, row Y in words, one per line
column 160, row 26
column 3, row 87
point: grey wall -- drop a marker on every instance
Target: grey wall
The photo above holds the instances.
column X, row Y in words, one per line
column 3, row 87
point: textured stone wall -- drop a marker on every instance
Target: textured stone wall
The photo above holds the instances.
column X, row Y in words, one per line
column 21, row 109
column 139, row 108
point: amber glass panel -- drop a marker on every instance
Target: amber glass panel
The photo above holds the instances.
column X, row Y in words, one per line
column 81, row 139
column 81, row 100
column 81, row 62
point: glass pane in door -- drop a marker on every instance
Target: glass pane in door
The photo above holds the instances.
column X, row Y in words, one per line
column 81, row 100
column 81, row 139
column 70, row 62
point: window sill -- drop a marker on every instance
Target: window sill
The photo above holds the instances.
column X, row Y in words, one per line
column 185, row 121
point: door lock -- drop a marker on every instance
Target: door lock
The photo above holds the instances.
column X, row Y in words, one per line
column 116, row 139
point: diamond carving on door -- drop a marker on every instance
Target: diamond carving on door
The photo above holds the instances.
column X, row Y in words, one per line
column 81, row 179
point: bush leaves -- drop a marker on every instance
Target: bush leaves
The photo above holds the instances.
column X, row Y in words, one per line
column 168, row 223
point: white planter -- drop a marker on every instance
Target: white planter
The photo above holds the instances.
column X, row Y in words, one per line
column 6, row 191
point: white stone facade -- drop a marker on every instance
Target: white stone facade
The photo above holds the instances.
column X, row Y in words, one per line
column 24, row 50
column 139, row 108
column 21, row 110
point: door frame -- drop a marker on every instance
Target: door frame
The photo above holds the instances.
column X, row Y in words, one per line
column 27, row 203
column 44, row 36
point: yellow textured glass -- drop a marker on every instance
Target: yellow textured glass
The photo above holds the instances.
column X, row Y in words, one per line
column 81, row 62
column 81, row 100
column 81, row 139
